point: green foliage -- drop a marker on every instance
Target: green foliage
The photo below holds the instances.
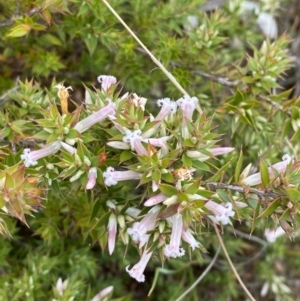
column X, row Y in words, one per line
column 64, row 227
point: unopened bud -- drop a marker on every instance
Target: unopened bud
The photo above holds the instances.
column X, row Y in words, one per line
column 171, row 200
column 121, row 221
column 50, row 166
column 87, row 161
column 70, row 141
column 77, row 176
column 161, row 226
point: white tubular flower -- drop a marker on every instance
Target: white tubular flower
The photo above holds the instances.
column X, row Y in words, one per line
column 159, row 198
column 187, row 236
column 167, row 107
column 96, row 117
column 268, row 25
column 187, row 104
column 272, row 235
column 173, row 249
column 134, row 139
column 137, row 271
column 92, row 177
column 30, row 157
column 217, row 151
column 222, row 212
column 112, row 177
column 112, row 233
column 279, row 167
column 106, row 81
column 70, row 149
column 139, row 230
column 104, row 293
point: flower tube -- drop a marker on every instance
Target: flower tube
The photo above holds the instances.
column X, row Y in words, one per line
column 167, row 106
column 159, row 198
column 280, row 167
column 104, row 293
column 70, row 149
column 30, row 157
column 173, row 249
column 221, row 212
column 98, row 116
column 112, row 177
column 137, row 271
column 139, row 230
column 187, row 236
column 187, row 104
column 217, row 151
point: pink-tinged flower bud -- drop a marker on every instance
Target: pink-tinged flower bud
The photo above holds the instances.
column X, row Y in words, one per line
column 104, row 293
column 59, row 286
column 98, row 116
column 139, row 102
column 106, row 81
column 167, row 107
column 137, row 271
column 139, row 230
column 30, row 157
column 155, row 185
column 222, row 212
column 187, row 104
column 272, row 235
column 187, row 236
column 112, row 177
column 214, row 151
column 92, row 177
column 173, row 249
column 279, row 167
column 87, row 98
column 134, row 139
column 160, row 142
column 112, row 233
column 159, row 198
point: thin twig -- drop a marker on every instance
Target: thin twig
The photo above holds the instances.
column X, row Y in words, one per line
column 157, row 62
column 209, row 267
column 275, row 104
column 242, row 190
column 10, row 21
column 221, row 80
column 232, row 265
